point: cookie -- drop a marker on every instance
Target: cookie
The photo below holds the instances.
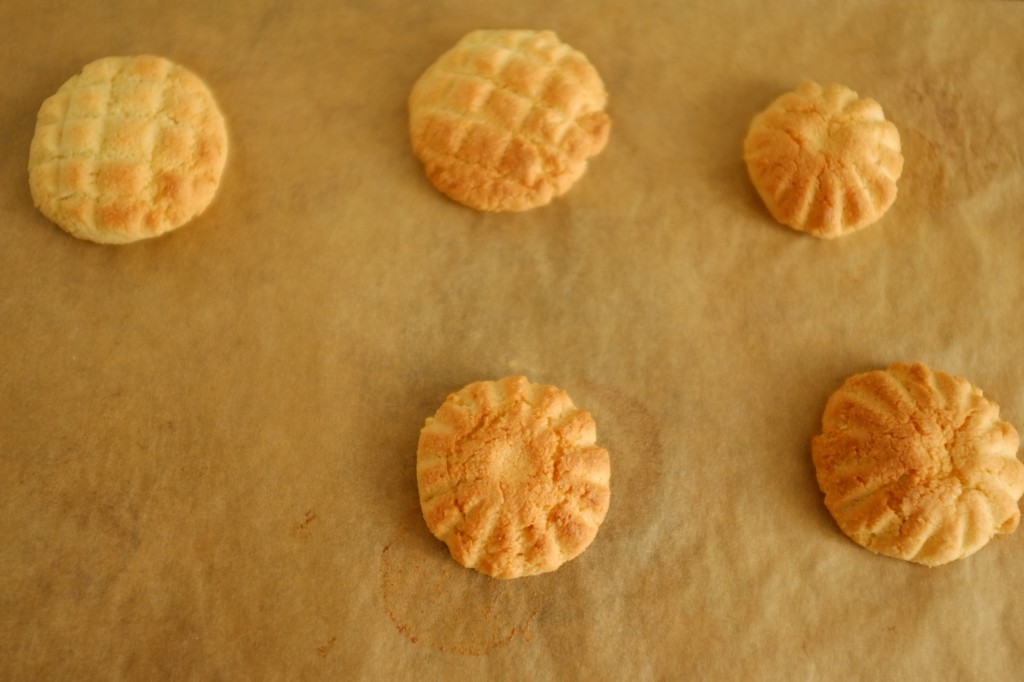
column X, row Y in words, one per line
column 511, row 478
column 129, row 148
column 823, row 160
column 917, row 465
column 507, row 120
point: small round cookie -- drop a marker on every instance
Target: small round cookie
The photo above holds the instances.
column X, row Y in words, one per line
column 506, row 120
column 510, row 477
column 824, row 161
column 130, row 148
column 917, row 465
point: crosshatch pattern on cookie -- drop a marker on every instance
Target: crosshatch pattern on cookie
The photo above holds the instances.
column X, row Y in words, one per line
column 511, row 477
column 917, row 465
column 506, row 120
column 129, row 148
column 823, row 160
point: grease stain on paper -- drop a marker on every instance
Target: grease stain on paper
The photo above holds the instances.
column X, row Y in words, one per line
column 305, row 528
column 325, row 648
column 434, row 601
column 953, row 142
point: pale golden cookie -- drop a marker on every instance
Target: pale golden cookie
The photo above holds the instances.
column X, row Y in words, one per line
column 510, row 477
column 917, row 465
column 506, row 120
column 130, row 148
column 824, row 161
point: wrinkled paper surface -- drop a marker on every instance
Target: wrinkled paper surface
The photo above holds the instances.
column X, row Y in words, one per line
column 207, row 448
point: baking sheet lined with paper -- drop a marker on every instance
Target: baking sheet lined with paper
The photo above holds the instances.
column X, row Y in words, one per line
column 208, row 447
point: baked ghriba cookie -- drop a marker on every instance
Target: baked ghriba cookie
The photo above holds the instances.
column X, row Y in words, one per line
column 824, row 161
column 917, row 465
column 506, row 120
column 511, row 478
column 129, row 148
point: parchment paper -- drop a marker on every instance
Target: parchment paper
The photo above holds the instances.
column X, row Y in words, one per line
column 207, row 441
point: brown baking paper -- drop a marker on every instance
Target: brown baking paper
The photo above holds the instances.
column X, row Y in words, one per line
column 207, row 448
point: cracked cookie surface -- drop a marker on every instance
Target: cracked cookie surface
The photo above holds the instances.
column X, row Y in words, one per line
column 506, row 120
column 916, row 464
column 824, row 160
column 130, row 148
column 511, row 478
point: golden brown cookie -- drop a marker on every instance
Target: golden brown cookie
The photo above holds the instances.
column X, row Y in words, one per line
column 510, row 477
column 917, row 465
column 823, row 160
column 506, row 120
column 130, row 148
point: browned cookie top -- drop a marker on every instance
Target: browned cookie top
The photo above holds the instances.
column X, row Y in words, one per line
column 506, row 120
column 511, row 478
column 130, row 148
column 917, row 465
column 823, row 160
